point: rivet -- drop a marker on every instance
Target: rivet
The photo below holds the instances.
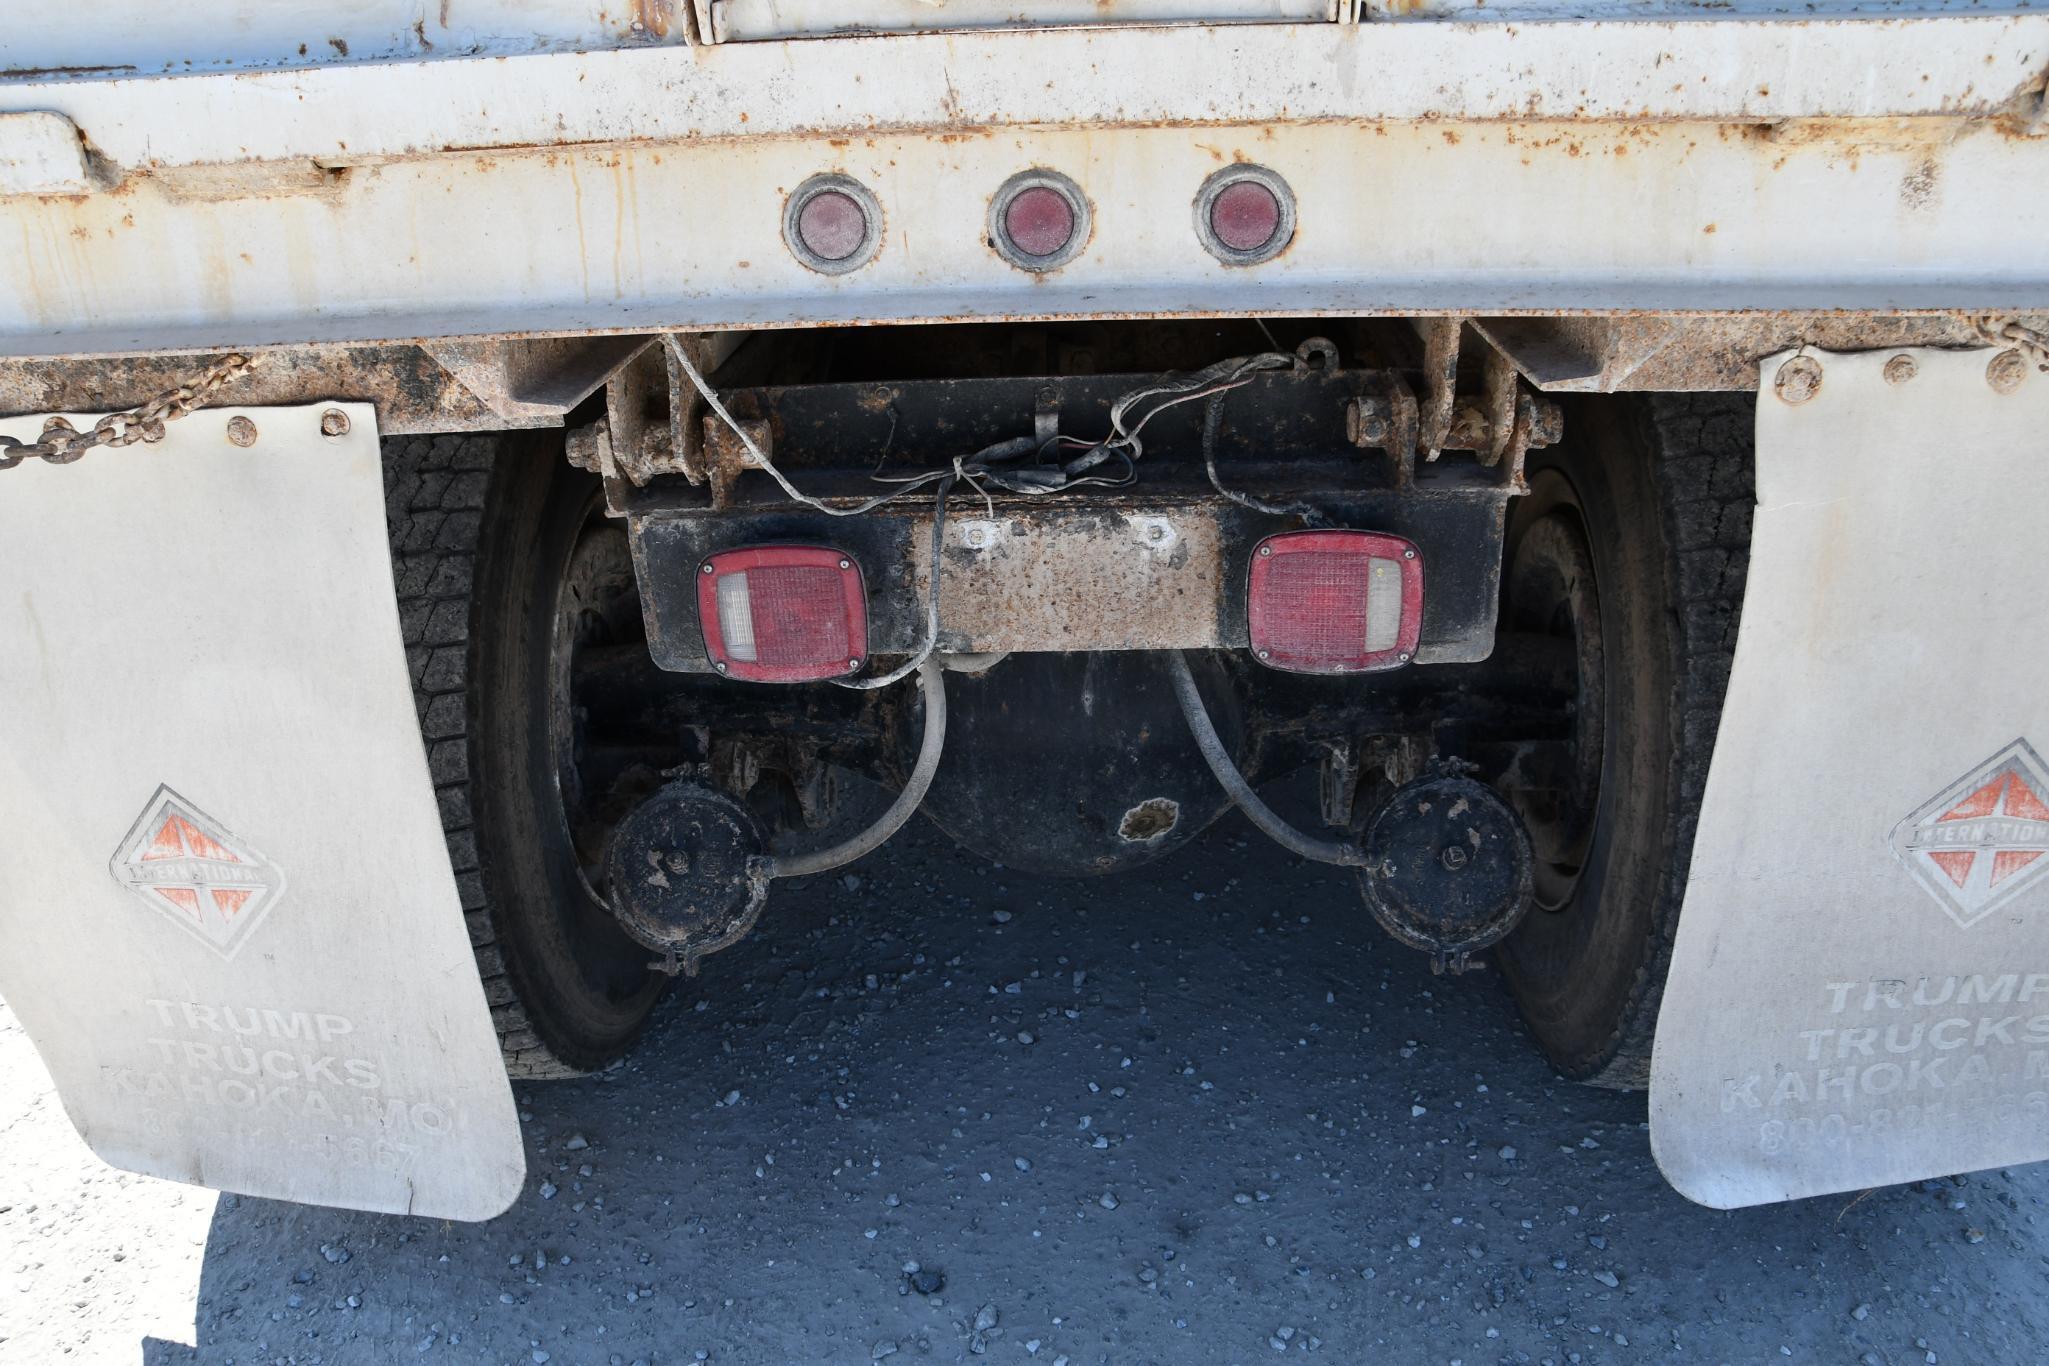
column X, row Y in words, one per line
column 241, row 431
column 1402, row 658
column 334, row 422
column 1265, row 655
column 719, row 664
column 1266, row 550
column 706, row 567
column 853, row 664
column 845, row 565
column 1408, row 554
column 2005, row 371
column 1901, row 368
column 1798, row 380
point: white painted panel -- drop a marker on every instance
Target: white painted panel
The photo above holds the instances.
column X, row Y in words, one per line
column 1756, row 71
column 1860, row 990
column 1493, row 218
column 754, row 20
column 227, row 917
column 51, row 38
column 41, row 153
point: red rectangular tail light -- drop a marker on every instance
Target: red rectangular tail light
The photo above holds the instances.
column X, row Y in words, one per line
column 783, row 613
column 1335, row 602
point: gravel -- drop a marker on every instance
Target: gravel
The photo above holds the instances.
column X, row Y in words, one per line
column 1244, row 1126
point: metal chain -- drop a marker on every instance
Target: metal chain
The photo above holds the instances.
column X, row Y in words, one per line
column 2031, row 342
column 61, row 443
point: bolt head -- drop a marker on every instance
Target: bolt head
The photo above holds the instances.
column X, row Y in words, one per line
column 334, row 422
column 719, row 664
column 1798, row 380
column 706, row 567
column 2005, row 371
column 1263, row 654
column 1408, row 554
column 1454, row 857
column 1266, row 550
column 1901, row 368
column 853, row 664
column 241, row 431
column 846, row 564
column 1365, row 422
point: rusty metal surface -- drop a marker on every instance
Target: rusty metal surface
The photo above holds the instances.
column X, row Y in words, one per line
column 1579, row 355
column 534, row 381
column 413, row 391
column 1500, row 426
column 1440, row 375
column 1691, row 352
column 1040, row 579
column 685, row 453
column 60, row 443
column 409, row 390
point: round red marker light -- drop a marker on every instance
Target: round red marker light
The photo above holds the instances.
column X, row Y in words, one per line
column 1039, row 221
column 832, row 225
column 1245, row 216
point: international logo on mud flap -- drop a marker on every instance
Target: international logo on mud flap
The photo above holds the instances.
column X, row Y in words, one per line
column 1979, row 844
column 186, row 866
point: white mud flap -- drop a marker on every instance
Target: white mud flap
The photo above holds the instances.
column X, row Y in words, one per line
column 227, row 917
column 1860, row 990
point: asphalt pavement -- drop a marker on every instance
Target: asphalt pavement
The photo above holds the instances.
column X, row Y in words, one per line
column 937, row 1110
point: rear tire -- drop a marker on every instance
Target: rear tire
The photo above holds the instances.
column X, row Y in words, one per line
column 1650, row 500
column 483, row 529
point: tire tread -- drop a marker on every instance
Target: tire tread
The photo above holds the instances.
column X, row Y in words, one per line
column 1703, row 453
column 434, row 497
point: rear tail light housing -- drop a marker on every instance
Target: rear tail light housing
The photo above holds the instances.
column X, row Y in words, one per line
column 1335, row 602
column 783, row 613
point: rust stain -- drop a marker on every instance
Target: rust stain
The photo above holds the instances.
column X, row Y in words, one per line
column 39, row 72
column 1149, row 820
column 652, row 17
